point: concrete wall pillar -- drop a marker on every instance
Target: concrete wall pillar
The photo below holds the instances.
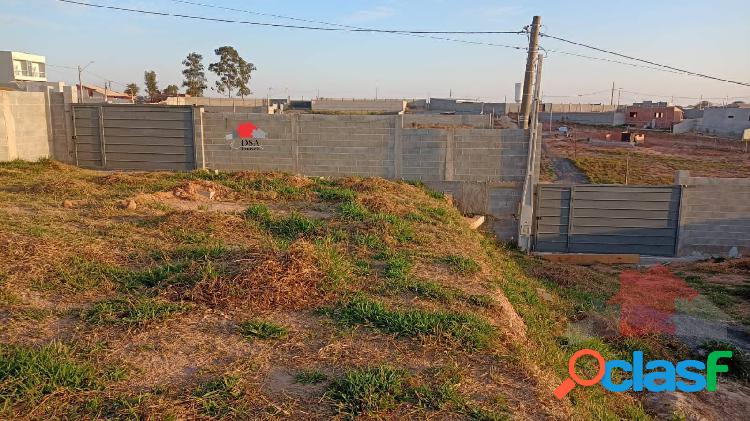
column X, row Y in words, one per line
column 450, row 150
column 398, row 126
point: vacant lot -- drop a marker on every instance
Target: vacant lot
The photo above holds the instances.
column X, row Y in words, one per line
column 271, row 296
column 244, row 296
column 653, row 163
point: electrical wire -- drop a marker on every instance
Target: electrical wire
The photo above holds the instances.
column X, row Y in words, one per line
column 281, row 25
column 652, row 63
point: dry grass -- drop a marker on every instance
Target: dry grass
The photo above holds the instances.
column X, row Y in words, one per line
column 156, row 300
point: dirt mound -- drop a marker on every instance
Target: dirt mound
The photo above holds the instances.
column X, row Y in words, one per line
column 278, row 280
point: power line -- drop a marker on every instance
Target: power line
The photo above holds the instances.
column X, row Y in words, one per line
column 281, row 25
column 580, row 44
column 418, row 34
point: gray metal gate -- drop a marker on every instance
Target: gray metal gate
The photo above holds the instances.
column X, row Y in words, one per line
column 607, row 219
column 134, row 137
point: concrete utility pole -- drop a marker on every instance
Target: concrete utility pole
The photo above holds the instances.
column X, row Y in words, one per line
column 612, row 96
column 528, row 79
column 80, row 83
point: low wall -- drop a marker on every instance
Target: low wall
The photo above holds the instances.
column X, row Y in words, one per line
column 578, row 108
column 24, row 122
column 592, row 118
column 346, row 105
column 483, row 168
column 730, row 122
column 462, row 107
column 714, row 216
column 686, row 125
column 474, row 121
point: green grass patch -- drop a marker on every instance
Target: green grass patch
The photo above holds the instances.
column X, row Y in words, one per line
column 262, row 329
column 434, row 291
column 81, row 274
column 220, row 398
column 288, row 227
column 363, row 391
column 310, row 377
column 398, row 266
column 469, row 330
column 333, row 263
column 132, row 311
column 461, row 265
column 354, row 211
column 336, row 194
column 28, row 374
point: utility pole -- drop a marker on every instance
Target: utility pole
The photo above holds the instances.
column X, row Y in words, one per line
column 612, row 96
column 528, row 78
column 80, row 86
column 80, row 83
column 105, row 91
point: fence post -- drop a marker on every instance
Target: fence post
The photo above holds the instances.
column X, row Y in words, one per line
column 102, row 142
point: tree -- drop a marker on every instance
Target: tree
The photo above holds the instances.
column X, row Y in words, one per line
column 152, row 89
column 171, row 90
column 132, row 90
column 232, row 70
column 195, row 77
column 244, row 70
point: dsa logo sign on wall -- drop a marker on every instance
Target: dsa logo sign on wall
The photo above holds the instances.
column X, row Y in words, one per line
column 246, row 137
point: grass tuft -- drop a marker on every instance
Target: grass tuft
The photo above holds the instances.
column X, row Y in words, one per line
column 262, row 329
column 461, row 265
column 336, row 194
column 310, row 377
column 218, row 397
column 132, row 312
column 469, row 330
column 28, row 374
column 367, row 390
column 354, row 211
column 288, row 227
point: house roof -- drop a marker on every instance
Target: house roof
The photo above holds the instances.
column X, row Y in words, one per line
column 101, row 90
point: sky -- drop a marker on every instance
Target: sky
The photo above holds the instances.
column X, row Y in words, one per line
column 709, row 37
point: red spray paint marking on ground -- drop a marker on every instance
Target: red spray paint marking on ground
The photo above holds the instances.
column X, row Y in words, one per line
column 648, row 300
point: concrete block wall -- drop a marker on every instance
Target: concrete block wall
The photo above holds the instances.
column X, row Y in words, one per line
column 345, row 105
column 714, row 216
column 593, row 118
column 475, row 121
column 24, row 126
column 483, row 169
column 686, row 125
column 729, row 122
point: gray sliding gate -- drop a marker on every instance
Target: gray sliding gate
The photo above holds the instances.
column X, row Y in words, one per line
column 607, row 219
column 133, row 137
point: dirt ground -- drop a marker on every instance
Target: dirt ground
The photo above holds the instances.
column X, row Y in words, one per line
column 609, row 161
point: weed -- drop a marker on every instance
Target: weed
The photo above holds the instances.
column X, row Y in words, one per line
column 288, row 227
column 132, row 312
column 310, row 377
column 398, row 266
column 461, row 265
column 371, row 241
column 28, row 374
column 367, row 390
column 218, row 397
column 354, row 211
column 471, row 331
column 262, row 329
column 333, row 194
column 81, row 274
column 333, row 263
column 438, row 397
column 198, row 252
column 258, row 212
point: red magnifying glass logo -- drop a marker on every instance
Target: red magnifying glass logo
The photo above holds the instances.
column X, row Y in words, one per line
column 569, row 383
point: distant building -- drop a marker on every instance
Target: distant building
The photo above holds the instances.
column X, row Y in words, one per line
column 729, row 121
column 97, row 94
column 22, row 67
column 653, row 115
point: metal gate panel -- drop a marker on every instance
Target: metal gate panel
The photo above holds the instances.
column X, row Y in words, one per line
column 134, row 137
column 608, row 219
column 552, row 218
